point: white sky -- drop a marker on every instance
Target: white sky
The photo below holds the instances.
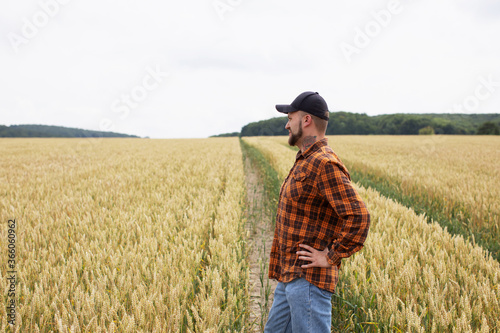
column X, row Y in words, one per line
column 226, row 68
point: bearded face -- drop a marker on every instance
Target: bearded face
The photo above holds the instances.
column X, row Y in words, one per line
column 294, row 137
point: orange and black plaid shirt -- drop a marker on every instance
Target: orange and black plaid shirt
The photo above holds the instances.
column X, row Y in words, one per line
column 319, row 207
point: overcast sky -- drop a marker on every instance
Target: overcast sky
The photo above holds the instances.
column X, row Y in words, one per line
column 186, row 69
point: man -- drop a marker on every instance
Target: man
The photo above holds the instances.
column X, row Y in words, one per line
column 321, row 219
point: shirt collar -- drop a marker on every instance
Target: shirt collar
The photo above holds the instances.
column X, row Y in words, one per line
column 315, row 147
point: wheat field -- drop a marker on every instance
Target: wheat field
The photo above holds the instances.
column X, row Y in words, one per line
column 126, row 235
column 462, row 170
column 138, row 235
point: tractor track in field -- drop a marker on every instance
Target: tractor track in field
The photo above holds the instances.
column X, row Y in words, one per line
column 260, row 240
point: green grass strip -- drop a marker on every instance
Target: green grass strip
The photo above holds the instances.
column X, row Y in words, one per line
column 269, row 176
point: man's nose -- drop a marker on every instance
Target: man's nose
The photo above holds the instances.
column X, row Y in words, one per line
column 287, row 126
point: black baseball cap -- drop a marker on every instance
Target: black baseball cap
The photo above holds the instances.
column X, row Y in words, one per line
column 310, row 102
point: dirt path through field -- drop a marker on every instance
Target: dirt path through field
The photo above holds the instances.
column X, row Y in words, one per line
column 261, row 237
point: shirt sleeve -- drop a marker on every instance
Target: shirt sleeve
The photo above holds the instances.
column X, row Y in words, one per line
column 354, row 219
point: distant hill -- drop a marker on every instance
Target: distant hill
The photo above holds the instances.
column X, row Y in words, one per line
column 46, row 131
column 397, row 124
column 225, row 135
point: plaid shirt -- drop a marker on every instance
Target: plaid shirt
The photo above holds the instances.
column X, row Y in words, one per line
column 318, row 207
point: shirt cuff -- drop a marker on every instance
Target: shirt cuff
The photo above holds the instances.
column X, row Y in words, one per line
column 333, row 258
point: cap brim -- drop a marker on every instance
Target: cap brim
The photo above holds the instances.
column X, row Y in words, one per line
column 285, row 108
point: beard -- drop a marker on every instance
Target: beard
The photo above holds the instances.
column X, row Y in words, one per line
column 293, row 138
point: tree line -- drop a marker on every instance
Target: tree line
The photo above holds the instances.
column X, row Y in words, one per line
column 345, row 123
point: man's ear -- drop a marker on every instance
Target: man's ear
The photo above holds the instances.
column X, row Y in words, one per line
column 307, row 120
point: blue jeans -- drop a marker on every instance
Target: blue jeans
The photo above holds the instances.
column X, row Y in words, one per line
column 300, row 306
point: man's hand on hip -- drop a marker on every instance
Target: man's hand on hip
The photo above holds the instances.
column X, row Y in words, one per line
column 317, row 258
